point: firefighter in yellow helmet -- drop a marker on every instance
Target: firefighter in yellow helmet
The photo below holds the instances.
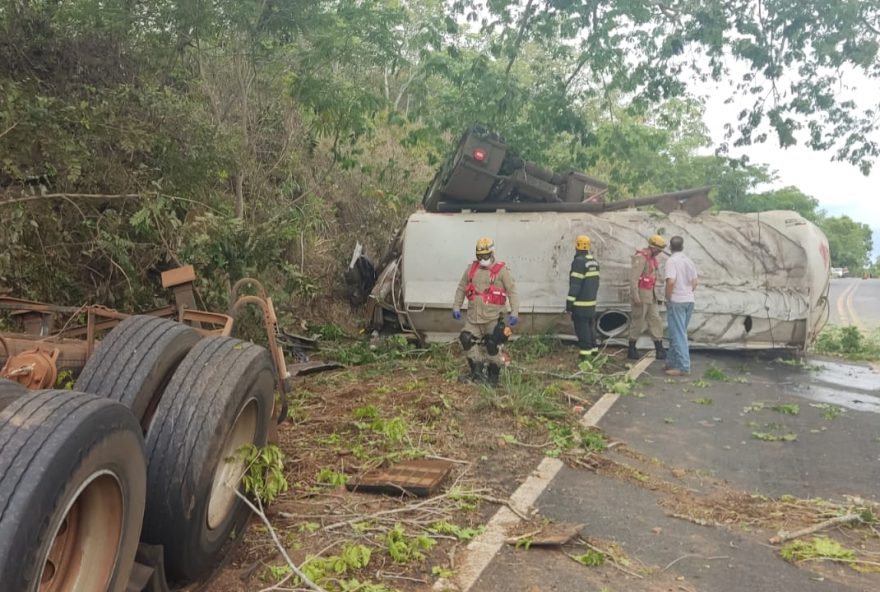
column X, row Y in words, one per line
column 583, row 286
column 489, row 288
column 644, row 278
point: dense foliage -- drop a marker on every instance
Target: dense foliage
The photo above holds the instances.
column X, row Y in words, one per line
column 268, row 137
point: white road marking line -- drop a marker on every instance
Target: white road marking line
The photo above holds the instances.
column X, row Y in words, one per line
column 842, row 312
column 595, row 413
column 484, row 547
column 853, row 317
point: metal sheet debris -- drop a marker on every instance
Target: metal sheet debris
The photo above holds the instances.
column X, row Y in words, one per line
column 415, row 477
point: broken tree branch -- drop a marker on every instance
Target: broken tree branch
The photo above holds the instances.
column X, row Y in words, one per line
column 8, row 129
column 673, row 562
column 501, row 502
column 262, row 516
column 783, row 536
column 611, row 559
column 406, row 508
column 522, row 537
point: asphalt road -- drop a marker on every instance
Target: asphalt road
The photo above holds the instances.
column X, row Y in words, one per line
column 699, row 434
column 854, row 301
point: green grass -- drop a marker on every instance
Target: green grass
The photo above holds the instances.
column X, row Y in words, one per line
column 328, row 476
column 531, row 347
column 849, row 342
column 787, row 409
column 817, row 549
column 713, row 373
column 827, row 410
column 360, row 352
column 522, row 394
column 591, row 558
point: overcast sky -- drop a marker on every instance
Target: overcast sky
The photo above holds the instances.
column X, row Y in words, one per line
column 839, row 187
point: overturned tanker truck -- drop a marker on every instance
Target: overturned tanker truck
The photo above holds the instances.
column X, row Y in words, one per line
column 764, row 277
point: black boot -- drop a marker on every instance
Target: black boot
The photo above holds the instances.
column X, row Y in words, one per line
column 476, row 371
column 632, row 353
column 660, row 353
column 493, row 372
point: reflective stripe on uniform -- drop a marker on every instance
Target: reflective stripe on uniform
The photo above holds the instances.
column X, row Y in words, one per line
column 591, row 274
column 577, row 275
column 570, row 298
column 585, row 303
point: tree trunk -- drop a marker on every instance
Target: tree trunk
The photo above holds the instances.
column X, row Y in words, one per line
column 238, row 188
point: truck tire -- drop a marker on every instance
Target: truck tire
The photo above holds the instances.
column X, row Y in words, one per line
column 219, row 399
column 9, row 392
column 135, row 361
column 72, row 487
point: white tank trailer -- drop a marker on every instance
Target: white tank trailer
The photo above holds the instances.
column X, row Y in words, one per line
column 763, row 282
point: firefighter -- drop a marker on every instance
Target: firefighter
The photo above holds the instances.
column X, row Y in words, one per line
column 644, row 277
column 488, row 286
column 583, row 285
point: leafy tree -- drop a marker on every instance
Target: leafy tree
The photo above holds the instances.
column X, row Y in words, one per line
column 850, row 242
column 265, row 138
column 787, row 198
column 787, row 58
column 874, row 270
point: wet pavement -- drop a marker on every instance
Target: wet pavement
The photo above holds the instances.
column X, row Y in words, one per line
column 854, row 301
column 758, row 426
column 716, row 427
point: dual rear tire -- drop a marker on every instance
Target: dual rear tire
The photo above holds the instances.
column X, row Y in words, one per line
column 219, row 400
column 72, row 490
column 199, row 401
column 160, row 433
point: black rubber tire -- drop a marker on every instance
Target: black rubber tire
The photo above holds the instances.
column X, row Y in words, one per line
column 220, row 379
column 9, row 392
column 56, row 447
column 134, row 363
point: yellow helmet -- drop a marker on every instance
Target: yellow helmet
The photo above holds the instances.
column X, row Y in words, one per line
column 485, row 246
column 657, row 241
column 582, row 243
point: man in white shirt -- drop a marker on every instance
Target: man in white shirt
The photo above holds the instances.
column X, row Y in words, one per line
column 681, row 281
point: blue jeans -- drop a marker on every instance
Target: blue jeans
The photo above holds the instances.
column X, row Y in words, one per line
column 678, row 315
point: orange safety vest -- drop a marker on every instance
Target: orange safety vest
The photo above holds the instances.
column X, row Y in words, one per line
column 646, row 282
column 492, row 294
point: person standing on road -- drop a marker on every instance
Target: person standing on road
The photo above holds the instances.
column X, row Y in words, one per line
column 681, row 281
column 487, row 285
column 644, row 277
column 583, row 285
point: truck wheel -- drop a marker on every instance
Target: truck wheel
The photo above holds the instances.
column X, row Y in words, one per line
column 72, row 487
column 9, row 392
column 135, row 361
column 219, row 399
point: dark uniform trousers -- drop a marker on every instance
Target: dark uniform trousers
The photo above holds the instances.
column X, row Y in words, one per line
column 583, row 286
column 583, row 328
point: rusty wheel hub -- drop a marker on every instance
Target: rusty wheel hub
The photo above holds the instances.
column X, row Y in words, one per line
column 86, row 543
column 34, row 369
